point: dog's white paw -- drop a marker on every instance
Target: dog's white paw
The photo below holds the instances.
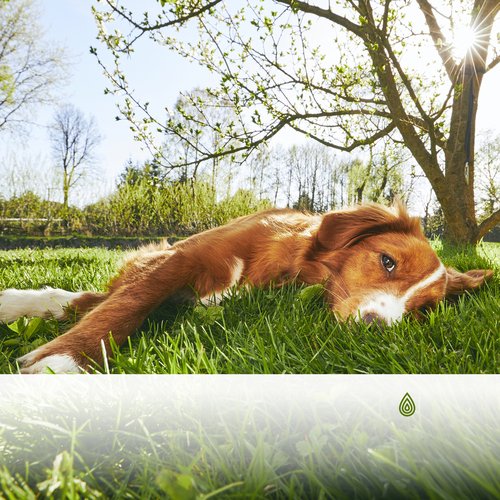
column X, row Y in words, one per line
column 45, row 303
column 54, row 363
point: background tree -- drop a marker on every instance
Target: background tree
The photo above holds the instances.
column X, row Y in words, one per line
column 277, row 74
column 488, row 166
column 74, row 141
column 22, row 173
column 258, row 165
column 312, row 166
column 197, row 128
column 30, row 68
column 381, row 177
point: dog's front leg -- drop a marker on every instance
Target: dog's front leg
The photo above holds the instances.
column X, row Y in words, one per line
column 119, row 315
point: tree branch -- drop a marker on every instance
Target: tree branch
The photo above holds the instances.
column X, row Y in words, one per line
column 488, row 224
column 442, row 47
column 325, row 14
column 157, row 26
column 492, row 64
column 383, row 63
column 353, row 145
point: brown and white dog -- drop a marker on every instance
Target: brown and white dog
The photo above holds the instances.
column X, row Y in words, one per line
column 374, row 261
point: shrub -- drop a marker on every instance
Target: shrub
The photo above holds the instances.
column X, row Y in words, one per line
column 176, row 207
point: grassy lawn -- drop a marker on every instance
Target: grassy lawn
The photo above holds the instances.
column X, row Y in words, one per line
column 286, row 330
column 58, row 447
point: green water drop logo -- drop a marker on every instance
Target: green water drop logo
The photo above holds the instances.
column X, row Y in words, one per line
column 407, row 406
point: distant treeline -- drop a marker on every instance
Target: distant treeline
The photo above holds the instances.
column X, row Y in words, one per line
column 144, row 206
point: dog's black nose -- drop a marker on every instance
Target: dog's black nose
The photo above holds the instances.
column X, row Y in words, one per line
column 371, row 317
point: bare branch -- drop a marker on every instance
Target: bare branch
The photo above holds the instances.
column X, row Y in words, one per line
column 74, row 139
column 492, row 64
column 442, row 46
column 488, row 224
column 354, row 144
column 29, row 69
column 326, row 14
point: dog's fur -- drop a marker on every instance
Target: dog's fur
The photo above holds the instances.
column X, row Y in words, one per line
column 344, row 250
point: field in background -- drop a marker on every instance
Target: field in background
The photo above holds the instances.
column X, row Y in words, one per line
column 287, row 330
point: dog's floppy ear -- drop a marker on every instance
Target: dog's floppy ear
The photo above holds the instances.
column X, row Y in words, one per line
column 345, row 228
column 458, row 282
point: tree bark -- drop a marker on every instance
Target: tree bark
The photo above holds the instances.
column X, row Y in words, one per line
column 457, row 199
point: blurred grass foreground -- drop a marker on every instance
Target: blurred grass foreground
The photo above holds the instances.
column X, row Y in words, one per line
column 249, row 437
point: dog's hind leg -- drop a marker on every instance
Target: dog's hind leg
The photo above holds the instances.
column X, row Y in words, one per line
column 138, row 291
column 45, row 303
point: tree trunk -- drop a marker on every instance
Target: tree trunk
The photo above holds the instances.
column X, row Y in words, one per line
column 65, row 215
column 359, row 194
column 457, row 201
column 313, row 187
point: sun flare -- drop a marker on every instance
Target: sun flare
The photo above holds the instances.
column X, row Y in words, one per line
column 464, row 40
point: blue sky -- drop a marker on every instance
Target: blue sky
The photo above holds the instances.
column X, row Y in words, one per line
column 156, row 73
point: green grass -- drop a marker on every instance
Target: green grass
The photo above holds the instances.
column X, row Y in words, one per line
column 127, row 448
column 287, row 330
column 143, row 448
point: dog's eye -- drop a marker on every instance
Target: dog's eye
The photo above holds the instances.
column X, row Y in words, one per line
column 388, row 263
column 426, row 307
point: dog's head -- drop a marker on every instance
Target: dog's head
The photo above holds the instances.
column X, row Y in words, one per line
column 382, row 266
